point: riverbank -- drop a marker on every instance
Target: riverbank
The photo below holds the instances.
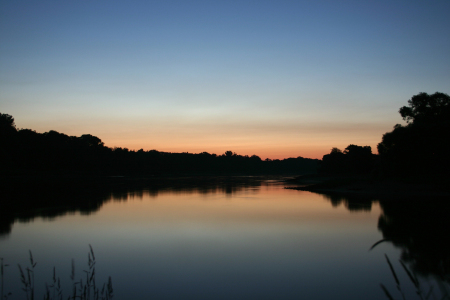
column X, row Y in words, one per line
column 398, row 187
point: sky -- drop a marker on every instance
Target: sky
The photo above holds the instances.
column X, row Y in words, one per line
column 276, row 79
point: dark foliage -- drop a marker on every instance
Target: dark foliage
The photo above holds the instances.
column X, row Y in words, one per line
column 25, row 150
column 421, row 146
column 427, row 109
column 353, row 160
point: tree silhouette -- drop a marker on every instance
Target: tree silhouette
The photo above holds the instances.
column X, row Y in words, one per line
column 424, row 108
column 8, row 133
column 335, row 150
column 92, row 141
column 229, row 153
column 353, row 160
column 7, row 126
column 333, row 163
column 421, row 146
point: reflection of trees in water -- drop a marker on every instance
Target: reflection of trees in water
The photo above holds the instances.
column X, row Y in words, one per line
column 188, row 185
column 25, row 202
column 351, row 202
column 420, row 228
column 6, row 222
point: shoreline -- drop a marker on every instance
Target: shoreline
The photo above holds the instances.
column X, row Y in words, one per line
column 369, row 186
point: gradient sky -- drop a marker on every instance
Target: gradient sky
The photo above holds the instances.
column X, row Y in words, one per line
column 273, row 78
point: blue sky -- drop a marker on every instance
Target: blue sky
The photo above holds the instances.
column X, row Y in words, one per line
column 272, row 78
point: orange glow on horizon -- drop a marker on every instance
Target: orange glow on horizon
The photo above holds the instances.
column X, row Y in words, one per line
column 274, row 152
column 306, row 140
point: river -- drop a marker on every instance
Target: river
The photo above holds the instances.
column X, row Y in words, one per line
column 249, row 241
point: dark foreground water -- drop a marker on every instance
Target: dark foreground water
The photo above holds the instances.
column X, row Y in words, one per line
column 251, row 241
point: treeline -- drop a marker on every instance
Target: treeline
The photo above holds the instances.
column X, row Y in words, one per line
column 353, row 160
column 421, row 147
column 25, row 150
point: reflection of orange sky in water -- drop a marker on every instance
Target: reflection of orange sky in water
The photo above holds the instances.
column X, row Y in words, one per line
column 265, row 206
column 210, row 237
column 256, row 211
column 221, row 218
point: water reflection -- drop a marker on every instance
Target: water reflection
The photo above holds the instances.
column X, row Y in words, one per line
column 26, row 205
column 419, row 227
column 49, row 201
column 351, row 202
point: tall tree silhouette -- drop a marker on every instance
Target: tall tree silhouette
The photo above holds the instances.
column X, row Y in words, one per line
column 8, row 132
column 421, row 146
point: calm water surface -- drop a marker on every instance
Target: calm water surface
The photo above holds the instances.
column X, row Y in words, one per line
column 260, row 241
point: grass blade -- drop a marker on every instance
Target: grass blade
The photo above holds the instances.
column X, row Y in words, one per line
column 392, row 270
column 92, row 252
column 410, row 275
column 377, row 243
column 386, row 292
